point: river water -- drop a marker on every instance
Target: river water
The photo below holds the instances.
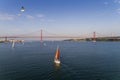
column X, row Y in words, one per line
column 79, row 61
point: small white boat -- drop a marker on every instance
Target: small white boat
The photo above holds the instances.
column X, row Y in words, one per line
column 57, row 56
column 13, row 44
column 22, row 9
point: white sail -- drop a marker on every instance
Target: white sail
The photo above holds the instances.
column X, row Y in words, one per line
column 13, row 44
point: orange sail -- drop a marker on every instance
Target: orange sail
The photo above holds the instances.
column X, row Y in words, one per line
column 57, row 55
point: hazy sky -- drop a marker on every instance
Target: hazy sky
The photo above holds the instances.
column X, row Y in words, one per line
column 60, row 16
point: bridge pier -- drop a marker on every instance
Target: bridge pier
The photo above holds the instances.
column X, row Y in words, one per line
column 94, row 36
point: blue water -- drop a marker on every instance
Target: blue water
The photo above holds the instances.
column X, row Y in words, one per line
column 79, row 61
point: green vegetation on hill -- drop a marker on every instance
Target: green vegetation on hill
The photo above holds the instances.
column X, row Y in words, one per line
column 97, row 39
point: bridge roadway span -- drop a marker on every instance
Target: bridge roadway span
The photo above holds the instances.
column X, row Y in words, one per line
column 42, row 37
column 68, row 37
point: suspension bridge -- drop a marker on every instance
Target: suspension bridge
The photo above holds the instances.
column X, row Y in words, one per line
column 41, row 35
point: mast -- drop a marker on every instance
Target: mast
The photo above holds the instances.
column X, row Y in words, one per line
column 41, row 35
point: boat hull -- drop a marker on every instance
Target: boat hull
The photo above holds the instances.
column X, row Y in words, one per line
column 57, row 61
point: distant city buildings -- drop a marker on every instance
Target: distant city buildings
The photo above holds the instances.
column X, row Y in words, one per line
column 12, row 40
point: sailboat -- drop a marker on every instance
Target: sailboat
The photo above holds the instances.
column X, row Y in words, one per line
column 13, row 44
column 22, row 9
column 57, row 56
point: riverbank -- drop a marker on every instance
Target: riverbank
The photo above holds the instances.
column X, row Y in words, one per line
column 97, row 39
column 1, row 41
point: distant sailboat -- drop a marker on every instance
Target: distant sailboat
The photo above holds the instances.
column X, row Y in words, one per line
column 57, row 56
column 13, row 44
column 22, row 9
column 23, row 43
column 44, row 44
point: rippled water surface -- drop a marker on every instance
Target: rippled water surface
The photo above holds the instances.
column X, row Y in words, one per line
column 79, row 61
